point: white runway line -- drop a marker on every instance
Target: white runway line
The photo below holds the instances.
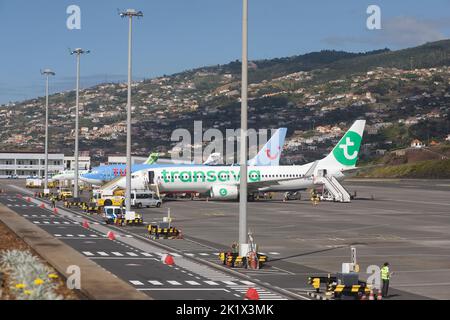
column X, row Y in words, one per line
column 146, row 254
column 131, row 254
column 193, row 283
column 155, row 283
column 103, row 254
column 87, row 253
column 211, row 283
column 136, row 282
column 118, row 254
column 175, row 283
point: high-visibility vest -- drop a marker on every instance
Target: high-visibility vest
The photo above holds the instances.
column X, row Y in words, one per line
column 385, row 273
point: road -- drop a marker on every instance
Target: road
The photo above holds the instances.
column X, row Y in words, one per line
column 404, row 223
column 133, row 259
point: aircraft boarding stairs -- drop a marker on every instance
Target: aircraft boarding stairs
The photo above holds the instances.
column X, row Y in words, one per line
column 332, row 189
column 111, row 186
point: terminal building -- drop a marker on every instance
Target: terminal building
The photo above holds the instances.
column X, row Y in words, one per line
column 26, row 164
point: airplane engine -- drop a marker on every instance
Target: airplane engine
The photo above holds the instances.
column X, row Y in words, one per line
column 224, row 192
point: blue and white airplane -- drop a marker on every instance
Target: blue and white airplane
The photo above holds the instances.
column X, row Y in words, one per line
column 269, row 155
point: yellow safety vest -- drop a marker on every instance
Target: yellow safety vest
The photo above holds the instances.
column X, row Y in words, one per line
column 385, row 273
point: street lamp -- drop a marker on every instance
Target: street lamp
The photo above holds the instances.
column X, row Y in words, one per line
column 47, row 73
column 130, row 13
column 78, row 53
column 243, row 247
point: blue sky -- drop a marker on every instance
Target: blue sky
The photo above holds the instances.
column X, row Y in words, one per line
column 176, row 35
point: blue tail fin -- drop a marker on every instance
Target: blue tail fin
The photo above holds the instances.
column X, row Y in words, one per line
column 270, row 154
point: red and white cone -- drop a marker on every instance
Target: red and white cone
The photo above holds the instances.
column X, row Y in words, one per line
column 28, row 199
column 19, row 195
column 55, row 210
column 111, row 235
column 371, row 296
column 379, row 295
column 167, row 259
column 85, row 224
column 42, row 206
column 251, row 294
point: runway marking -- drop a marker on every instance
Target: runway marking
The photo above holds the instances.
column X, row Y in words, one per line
column 103, row 254
column 194, row 283
column 422, row 284
column 117, row 254
column 183, row 289
column 146, row 254
column 87, row 253
column 175, row 283
column 231, row 283
column 136, row 282
column 155, row 283
column 420, row 202
column 211, row 283
column 132, row 254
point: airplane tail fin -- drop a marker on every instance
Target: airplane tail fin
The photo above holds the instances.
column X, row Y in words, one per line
column 270, row 153
column 345, row 154
column 152, row 158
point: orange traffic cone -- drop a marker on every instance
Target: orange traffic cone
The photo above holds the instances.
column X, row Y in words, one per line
column 168, row 259
column 111, row 235
column 85, row 224
column 371, row 297
column 42, row 206
column 379, row 295
column 251, row 294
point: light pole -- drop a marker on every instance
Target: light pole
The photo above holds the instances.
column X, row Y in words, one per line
column 47, row 73
column 130, row 13
column 78, row 53
column 243, row 236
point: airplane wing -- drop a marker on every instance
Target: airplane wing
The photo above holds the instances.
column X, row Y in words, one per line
column 255, row 185
column 311, row 169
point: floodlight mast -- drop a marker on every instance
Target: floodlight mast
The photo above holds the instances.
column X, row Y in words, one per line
column 243, row 192
column 47, row 73
column 78, row 52
column 130, row 13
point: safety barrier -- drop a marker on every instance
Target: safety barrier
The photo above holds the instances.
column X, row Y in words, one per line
column 166, row 233
column 234, row 260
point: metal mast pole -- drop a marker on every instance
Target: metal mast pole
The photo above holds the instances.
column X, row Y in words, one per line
column 75, row 188
column 130, row 13
column 46, row 134
column 128, row 170
column 78, row 53
column 47, row 73
column 243, row 146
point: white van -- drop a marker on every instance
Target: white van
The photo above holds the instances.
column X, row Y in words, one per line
column 147, row 199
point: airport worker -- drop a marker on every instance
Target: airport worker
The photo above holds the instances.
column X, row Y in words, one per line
column 385, row 276
column 53, row 202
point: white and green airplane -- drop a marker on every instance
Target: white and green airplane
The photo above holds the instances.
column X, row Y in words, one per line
column 222, row 182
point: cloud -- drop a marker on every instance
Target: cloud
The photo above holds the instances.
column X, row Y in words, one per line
column 397, row 32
